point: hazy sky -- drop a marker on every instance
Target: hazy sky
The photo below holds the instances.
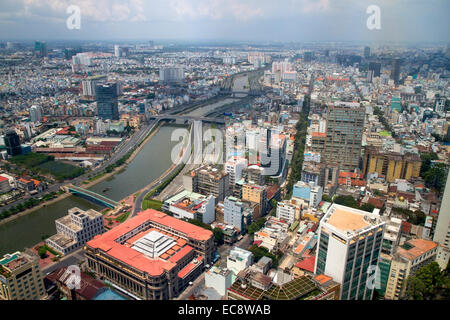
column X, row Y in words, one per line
column 259, row 20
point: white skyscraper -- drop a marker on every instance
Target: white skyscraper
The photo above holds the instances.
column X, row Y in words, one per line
column 442, row 231
column 349, row 247
column 35, row 114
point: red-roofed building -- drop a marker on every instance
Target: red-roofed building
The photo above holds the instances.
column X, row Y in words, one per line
column 307, row 264
column 351, row 179
column 4, row 185
column 152, row 256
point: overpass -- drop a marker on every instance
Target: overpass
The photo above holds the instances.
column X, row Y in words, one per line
column 92, row 196
column 187, row 118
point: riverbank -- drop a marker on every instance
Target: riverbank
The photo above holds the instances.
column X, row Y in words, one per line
column 123, row 166
column 39, row 206
column 88, row 185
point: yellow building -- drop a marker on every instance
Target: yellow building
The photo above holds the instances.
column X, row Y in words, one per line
column 409, row 257
column 392, row 165
column 20, row 277
column 256, row 194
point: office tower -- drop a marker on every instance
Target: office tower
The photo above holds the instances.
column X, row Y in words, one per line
column 12, row 143
column 308, row 56
column 69, row 53
column 90, row 83
column 35, row 114
column 107, row 105
column 376, row 68
column 395, row 71
column 20, row 277
column 117, row 51
column 369, row 76
column 408, row 258
column 345, row 124
column 349, row 242
column 367, row 52
column 40, row 48
column 233, row 212
column 171, row 74
column 442, row 230
column 151, row 256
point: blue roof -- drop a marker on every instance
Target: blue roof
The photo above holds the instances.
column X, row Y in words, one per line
column 109, row 294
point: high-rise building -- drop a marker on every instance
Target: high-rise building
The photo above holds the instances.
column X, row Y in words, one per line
column 208, row 180
column 35, row 114
column 395, row 71
column 12, row 143
column 392, row 165
column 20, row 277
column 345, row 125
column 90, row 83
column 367, row 52
column 171, row 74
column 349, row 243
column 40, row 48
column 376, row 68
column 233, row 212
column 442, row 230
column 107, row 105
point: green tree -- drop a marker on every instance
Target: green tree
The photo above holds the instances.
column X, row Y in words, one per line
column 415, row 288
column 218, row 235
column 429, row 283
column 42, row 252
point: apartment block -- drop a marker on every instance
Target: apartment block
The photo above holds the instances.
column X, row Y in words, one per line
column 409, row 257
column 20, row 277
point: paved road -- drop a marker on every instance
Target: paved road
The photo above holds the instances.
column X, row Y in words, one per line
column 72, row 259
column 194, row 289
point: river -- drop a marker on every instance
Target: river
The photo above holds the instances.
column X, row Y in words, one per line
column 150, row 163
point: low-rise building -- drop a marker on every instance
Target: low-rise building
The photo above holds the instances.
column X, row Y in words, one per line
column 409, row 257
column 75, row 229
column 219, row 279
column 239, row 259
column 192, row 205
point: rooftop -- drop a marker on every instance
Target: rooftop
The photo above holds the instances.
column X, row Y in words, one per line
column 347, row 219
column 415, row 248
column 171, row 248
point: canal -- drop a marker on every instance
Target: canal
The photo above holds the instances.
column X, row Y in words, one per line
column 150, row 163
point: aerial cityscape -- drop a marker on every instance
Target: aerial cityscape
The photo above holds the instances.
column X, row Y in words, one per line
column 224, row 150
